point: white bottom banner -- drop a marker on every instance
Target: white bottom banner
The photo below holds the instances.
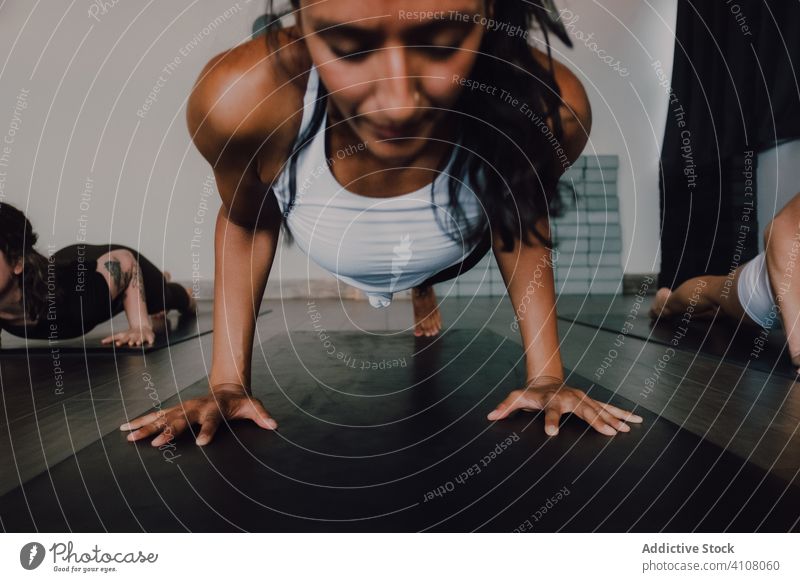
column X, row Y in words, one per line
column 371, row 557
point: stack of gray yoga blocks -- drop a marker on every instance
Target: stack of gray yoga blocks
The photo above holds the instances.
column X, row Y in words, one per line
column 587, row 234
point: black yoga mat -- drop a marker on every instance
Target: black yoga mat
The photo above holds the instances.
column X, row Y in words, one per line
column 748, row 345
column 179, row 329
column 390, row 433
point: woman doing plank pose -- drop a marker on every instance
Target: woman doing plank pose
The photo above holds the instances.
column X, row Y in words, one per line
column 396, row 145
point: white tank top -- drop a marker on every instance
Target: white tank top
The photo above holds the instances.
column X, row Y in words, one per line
column 755, row 292
column 379, row 245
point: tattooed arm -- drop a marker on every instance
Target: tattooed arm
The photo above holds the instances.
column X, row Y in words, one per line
column 121, row 270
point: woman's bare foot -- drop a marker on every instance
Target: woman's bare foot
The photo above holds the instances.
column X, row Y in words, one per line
column 659, row 306
column 427, row 319
column 192, row 309
column 159, row 322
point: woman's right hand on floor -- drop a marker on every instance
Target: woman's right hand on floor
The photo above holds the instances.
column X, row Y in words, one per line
column 555, row 398
column 135, row 336
column 225, row 402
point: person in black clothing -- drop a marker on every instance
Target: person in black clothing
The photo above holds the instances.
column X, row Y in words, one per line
column 80, row 286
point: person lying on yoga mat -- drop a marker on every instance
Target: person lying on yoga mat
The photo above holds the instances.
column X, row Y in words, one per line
column 78, row 287
column 761, row 292
column 339, row 128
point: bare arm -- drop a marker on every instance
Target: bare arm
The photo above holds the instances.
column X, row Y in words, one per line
column 120, row 268
column 528, row 270
column 575, row 110
column 234, row 111
column 243, row 258
column 247, row 226
column 528, row 274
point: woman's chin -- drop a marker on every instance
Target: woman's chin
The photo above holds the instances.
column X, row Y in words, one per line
column 397, row 149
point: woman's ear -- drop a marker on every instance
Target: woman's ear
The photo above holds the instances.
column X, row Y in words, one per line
column 19, row 266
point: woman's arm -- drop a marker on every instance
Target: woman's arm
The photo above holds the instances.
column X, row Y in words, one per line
column 528, row 274
column 527, row 271
column 575, row 110
column 243, row 259
column 243, row 256
column 124, row 277
column 248, row 224
column 235, row 109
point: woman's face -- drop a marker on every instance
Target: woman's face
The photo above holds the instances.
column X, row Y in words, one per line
column 8, row 274
column 375, row 56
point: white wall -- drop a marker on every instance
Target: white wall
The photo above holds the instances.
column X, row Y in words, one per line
column 86, row 80
column 776, row 181
column 629, row 105
column 71, row 85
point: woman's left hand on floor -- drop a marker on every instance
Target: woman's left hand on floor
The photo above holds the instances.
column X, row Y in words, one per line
column 135, row 336
column 556, row 398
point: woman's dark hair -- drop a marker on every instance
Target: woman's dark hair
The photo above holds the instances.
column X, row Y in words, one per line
column 16, row 241
column 509, row 154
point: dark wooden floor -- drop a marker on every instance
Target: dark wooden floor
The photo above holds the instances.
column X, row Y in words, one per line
column 751, row 413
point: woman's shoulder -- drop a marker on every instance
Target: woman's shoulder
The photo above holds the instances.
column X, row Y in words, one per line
column 249, row 94
column 575, row 110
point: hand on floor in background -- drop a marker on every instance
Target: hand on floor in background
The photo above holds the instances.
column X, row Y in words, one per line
column 658, row 308
column 556, row 398
column 135, row 336
column 225, row 402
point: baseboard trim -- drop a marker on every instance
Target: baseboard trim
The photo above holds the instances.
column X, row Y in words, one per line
column 632, row 283
column 638, row 283
column 297, row 289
